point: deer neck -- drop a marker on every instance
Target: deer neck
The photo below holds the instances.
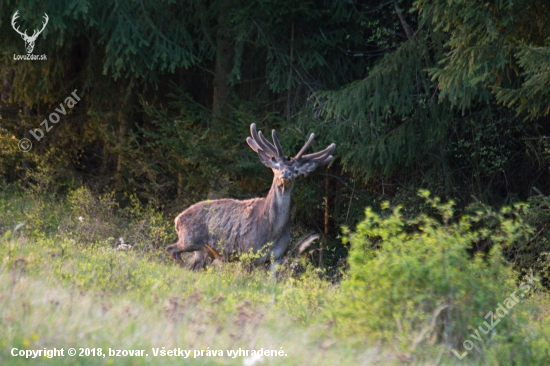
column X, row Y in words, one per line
column 277, row 206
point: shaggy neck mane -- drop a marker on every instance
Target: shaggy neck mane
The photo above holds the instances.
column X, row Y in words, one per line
column 276, row 208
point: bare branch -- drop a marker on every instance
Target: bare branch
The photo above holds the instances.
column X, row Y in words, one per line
column 406, row 27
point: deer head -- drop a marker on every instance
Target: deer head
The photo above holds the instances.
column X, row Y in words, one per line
column 29, row 41
column 287, row 169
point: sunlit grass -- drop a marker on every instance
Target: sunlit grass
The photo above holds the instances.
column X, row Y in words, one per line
column 49, row 301
column 64, row 282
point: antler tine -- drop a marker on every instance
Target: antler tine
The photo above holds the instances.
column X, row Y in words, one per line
column 277, row 144
column 254, row 134
column 260, row 141
column 253, row 145
column 268, row 144
column 304, row 148
column 321, row 155
column 327, row 160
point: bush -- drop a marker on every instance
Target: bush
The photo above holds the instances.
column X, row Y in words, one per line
column 534, row 253
column 415, row 281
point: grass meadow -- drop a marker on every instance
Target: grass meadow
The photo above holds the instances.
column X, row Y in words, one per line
column 65, row 283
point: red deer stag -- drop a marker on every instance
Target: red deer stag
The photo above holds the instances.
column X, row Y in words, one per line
column 232, row 227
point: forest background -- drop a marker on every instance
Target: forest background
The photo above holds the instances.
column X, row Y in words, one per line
column 446, row 96
column 443, row 96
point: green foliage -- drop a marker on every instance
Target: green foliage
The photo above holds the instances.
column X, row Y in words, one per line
column 297, row 42
column 84, row 251
column 133, row 299
column 527, row 345
column 202, row 152
column 85, row 220
column 419, row 110
column 533, row 253
column 407, row 116
column 414, row 281
column 385, row 121
column 144, row 39
column 498, row 48
column 412, row 284
column 311, row 299
column 8, row 156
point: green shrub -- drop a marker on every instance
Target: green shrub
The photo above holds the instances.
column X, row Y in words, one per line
column 90, row 219
column 534, row 253
column 530, row 343
column 413, row 282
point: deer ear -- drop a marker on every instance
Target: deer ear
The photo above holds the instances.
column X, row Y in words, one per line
column 265, row 159
column 306, row 167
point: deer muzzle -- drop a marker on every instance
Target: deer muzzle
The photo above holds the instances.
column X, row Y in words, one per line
column 286, row 176
column 285, row 179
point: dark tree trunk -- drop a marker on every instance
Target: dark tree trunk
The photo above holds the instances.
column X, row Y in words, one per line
column 406, row 27
column 224, row 61
column 222, row 89
column 125, row 118
column 326, row 220
column 180, row 184
column 288, row 111
column 120, row 173
column 7, row 81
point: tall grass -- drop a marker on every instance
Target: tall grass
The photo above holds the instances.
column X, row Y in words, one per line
column 65, row 282
column 47, row 301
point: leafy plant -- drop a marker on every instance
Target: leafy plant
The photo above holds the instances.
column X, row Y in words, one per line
column 415, row 281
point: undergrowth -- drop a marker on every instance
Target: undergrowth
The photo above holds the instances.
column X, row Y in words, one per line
column 79, row 271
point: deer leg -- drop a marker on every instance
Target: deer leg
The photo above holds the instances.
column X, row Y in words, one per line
column 277, row 252
column 213, row 253
column 175, row 252
column 274, row 271
column 199, row 261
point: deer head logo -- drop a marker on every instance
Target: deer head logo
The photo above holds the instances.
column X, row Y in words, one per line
column 29, row 41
